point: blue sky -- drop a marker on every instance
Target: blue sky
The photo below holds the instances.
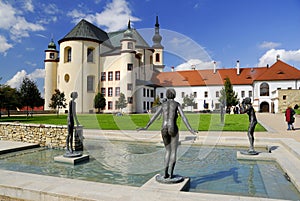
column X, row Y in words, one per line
column 195, row 32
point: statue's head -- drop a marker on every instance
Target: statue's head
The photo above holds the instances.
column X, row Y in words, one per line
column 247, row 100
column 74, row 95
column 171, row 93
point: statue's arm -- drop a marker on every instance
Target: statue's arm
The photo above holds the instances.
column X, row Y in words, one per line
column 157, row 113
column 185, row 120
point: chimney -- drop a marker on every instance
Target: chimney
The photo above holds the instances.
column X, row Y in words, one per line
column 238, row 67
column 172, row 68
column 215, row 67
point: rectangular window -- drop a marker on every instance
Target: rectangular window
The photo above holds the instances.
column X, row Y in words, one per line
column 110, row 91
column 205, row 94
column 90, row 83
column 103, row 76
column 117, row 91
column 148, row 93
column 217, row 94
column 130, row 100
column 129, row 67
column 103, row 91
column 151, row 93
column 161, row 95
column 284, row 97
column 182, row 94
column 144, row 105
column 195, row 95
column 129, row 86
column 117, row 75
column 110, row 76
column 250, row 93
column 144, row 92
column 110, row 105
column 90, row 55
column 243, row 94
column 196, row 106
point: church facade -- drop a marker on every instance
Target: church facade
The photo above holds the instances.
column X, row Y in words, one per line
column 91, row 61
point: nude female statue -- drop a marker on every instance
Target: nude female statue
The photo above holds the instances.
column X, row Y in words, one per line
column 169, row 131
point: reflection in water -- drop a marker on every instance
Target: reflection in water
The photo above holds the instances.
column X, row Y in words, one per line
column 232, row 172
column 251, row 186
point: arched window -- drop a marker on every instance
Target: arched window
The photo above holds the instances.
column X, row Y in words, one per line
column 264, row 89
column 157, row 57
column 90, row 55
column 68, row 54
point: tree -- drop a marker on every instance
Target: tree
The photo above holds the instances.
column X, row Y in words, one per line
column 9, row 98
column 30, row 95
column 121, row 102
column 188, row 101
column 58, row 101
column 99, row 102
column 228, row 96
column 155, row 104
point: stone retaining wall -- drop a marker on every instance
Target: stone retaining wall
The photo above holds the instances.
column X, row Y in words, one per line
column 46, row 135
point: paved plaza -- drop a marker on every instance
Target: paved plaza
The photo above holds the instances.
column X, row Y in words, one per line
column 37, row 187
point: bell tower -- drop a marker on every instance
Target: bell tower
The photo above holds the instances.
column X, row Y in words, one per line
column 51, row 63
column 158, row 48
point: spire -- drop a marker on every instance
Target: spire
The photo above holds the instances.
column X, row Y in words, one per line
column 129, row 24
column 157, row 24
column 157, row 37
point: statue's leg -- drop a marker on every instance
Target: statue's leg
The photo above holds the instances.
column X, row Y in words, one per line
column 68, row 138
column 251, row 135
column 167, row 140
column 174, row 145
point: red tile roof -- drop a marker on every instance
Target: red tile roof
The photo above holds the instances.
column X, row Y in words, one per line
column 278, row 71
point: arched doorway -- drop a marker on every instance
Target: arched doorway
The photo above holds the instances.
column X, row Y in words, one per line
column 264, row 107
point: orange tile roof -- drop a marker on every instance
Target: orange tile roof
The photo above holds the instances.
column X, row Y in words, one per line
column 278, row 71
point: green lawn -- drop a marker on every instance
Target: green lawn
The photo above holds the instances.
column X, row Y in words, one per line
column 201, row 122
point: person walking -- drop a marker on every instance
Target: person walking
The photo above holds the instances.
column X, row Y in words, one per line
column 289, row 117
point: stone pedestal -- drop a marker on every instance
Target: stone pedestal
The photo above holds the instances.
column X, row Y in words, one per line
column 72, row 160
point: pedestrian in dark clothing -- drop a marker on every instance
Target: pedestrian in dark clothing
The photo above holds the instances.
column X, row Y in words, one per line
column 289, row 118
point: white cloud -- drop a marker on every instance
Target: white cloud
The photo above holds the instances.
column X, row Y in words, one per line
column 17, row 25
column 28, row 5
column 195, row 63
column 289, row 56
column 17, row 79
column 4, row 45
column 269, row 45
column 114, row 17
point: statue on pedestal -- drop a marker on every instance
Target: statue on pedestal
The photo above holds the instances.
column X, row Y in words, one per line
column 169, row 131
column 246, row 107
column 71, row 116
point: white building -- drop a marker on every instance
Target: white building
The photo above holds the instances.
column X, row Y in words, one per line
column 91, row 61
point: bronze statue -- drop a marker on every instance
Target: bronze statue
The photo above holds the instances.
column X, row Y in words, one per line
column 169, row 131
column 71, row 116
column 246, row 107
